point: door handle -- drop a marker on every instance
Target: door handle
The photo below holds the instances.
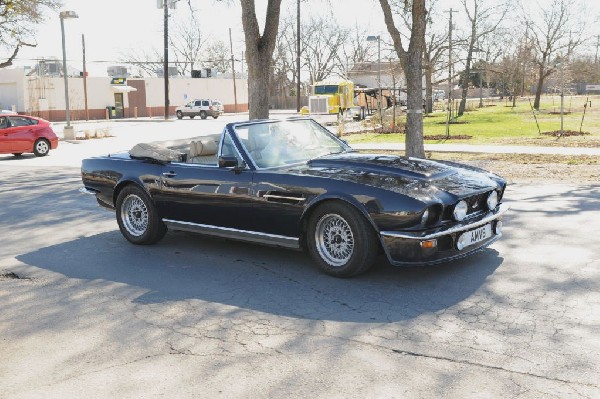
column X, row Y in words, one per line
column 169, row 174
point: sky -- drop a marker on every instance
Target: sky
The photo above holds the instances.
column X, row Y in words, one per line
column 112, row 27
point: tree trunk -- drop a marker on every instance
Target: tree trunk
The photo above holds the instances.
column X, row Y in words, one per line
column 538, row 90
column 259, row 53
column 414, row 107
column 412, row 64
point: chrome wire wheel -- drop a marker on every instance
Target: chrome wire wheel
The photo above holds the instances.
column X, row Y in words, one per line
column 334, row 239
column 134, row 215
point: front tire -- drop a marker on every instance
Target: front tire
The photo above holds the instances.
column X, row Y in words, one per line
column 41, row 147
column 137, row 217
column 179, row 114
column 341, row 240
column 203, row 114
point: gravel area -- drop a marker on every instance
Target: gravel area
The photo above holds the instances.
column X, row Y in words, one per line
column 541, row 172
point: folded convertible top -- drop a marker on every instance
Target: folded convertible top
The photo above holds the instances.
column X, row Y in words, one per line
column 155, row 152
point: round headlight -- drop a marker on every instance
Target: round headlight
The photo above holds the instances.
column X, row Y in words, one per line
column 492, row 200
column 425, row 217
column 460, row 210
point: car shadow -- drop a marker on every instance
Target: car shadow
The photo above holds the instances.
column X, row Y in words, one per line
column 271, row 280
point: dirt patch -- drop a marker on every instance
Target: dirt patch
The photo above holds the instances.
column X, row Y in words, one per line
column 528, row 168
column 565, row 133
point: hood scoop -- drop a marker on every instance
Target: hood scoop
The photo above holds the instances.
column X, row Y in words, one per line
column 411, row 168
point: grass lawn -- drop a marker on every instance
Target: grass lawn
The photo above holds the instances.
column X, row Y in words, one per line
column 499, row 123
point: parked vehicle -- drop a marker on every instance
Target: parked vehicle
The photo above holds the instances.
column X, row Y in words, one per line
column 294, row 184
column 21, row 133
column 202, row 108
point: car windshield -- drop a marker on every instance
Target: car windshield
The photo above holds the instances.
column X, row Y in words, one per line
column 274, row 144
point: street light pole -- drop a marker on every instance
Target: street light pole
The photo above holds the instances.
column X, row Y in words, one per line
column 68, row 130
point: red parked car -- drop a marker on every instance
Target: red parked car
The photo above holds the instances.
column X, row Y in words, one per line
column 20, row 133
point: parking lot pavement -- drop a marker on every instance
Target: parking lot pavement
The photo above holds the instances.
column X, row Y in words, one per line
column 86, row 314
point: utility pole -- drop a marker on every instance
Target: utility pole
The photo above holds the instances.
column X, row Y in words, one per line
column 233, row 71
column 166, row 55
column 597, row 45
column 449, row 73
column 85, row 94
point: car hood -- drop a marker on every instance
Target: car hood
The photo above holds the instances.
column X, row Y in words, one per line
column 410, row 176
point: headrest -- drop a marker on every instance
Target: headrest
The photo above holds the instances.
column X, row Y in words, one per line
column 203, row 148
column 155, row 151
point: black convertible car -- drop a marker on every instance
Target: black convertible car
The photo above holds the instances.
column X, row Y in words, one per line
column 294, row 184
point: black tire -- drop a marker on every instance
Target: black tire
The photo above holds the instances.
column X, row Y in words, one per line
column 341, row 240
column 215, row 116
column 17, row 154
column 203, row 114
column 137, row 217
column 41, row 147
column 192, row 116
column 179, row 114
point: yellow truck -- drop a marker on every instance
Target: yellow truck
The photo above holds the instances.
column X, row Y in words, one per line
column 331, row 97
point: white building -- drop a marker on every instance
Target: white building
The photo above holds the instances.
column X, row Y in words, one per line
column 44, row 96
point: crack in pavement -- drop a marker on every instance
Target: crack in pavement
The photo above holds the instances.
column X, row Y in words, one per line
column 488, row 366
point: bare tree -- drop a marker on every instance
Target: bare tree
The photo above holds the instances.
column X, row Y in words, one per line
column 145, row 62
column 186, row 42
column 322, row 40
column 354, row 51
column 554, row 38
column 218, row 56
column 412, row 64
column 436, row 46
column 285, row 71
column 484, row 20
column 18, row 20
column 259, row 53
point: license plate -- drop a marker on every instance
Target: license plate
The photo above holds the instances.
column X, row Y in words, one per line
column 474, row 236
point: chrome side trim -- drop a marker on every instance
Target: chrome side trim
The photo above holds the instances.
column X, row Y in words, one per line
column 85, row 190
column 272, row 196
column 235, row 234
column 455, row 229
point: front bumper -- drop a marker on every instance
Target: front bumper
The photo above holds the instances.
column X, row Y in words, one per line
column 406, row 248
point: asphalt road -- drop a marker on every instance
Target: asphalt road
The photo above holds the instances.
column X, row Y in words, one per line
column 86, row 314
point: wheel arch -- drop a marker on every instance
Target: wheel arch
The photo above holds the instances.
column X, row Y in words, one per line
column 348, row 200
column 124, row 183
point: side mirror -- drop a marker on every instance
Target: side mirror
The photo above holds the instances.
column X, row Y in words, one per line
column 231, row 162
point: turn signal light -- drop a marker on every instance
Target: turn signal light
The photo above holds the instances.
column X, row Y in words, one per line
column 429, row 244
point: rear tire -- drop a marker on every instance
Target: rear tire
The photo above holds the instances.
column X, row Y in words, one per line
column 215, row 116
column 41, row 147
column 137, row 217
column 192, row 116
column 341, row 240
